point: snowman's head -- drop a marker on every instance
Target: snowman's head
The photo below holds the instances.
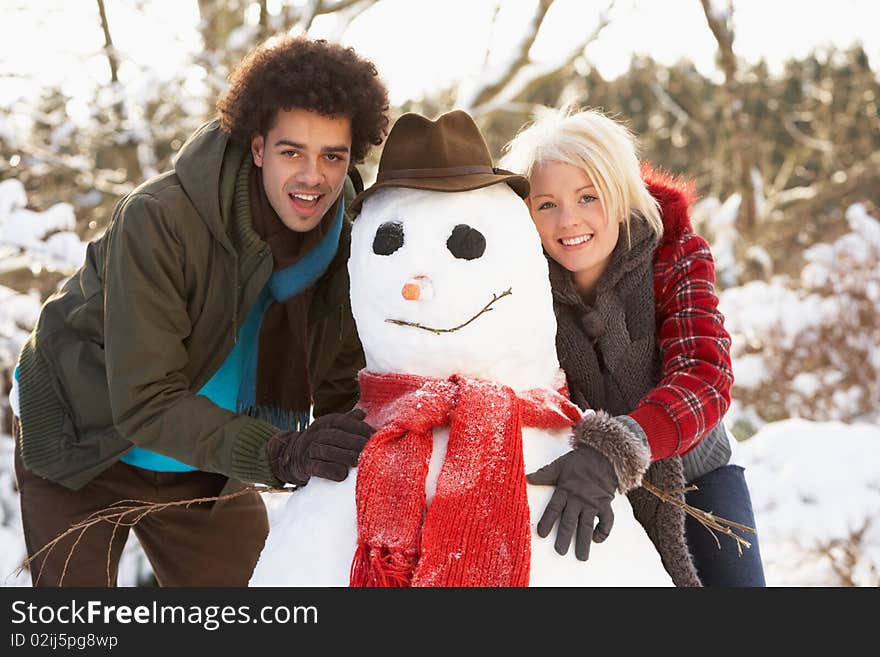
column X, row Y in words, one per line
column 449, row 283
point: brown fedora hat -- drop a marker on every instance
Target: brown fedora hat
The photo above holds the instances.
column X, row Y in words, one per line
column 446, row 155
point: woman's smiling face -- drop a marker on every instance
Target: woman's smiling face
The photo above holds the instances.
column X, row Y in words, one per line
column 570, row 218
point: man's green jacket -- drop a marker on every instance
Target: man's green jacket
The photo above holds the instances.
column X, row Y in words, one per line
column 119, row 353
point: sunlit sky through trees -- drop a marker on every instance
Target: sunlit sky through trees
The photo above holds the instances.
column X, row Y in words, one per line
column 419, row 45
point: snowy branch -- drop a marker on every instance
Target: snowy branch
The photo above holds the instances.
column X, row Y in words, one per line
column 719, row 24
column 317, row 8
column 521, row 57
column 681, row 115
column 529, row 76
column 308, row 16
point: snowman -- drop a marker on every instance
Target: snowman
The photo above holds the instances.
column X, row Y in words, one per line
column 451, row 296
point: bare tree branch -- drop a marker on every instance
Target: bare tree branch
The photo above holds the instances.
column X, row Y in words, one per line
column 207, row 16
column 724, row 36
column 126, row 513
column 437, row 331
column 264, row 20
column 813, row 198
column 682, row 117
column 528, row 78
column 491, row 89
column 108, row 43
column 494, row 23
column 733, row 114
column 312, row 9
column 708, row 519
column 317, row 8
column 810, row 142
column 337, row 6
column 346, row 12
column 783, row 175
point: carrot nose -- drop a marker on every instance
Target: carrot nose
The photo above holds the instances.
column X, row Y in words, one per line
column 411, row 291
column 418, row 288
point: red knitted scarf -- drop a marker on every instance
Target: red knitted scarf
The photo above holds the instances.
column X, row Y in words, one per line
column 476, row 530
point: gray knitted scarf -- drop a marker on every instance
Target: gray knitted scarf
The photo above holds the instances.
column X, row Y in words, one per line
column 608, row 350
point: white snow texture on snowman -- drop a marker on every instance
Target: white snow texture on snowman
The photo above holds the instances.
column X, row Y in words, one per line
column 422, row 282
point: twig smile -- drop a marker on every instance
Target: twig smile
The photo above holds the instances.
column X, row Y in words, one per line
column 487, row 308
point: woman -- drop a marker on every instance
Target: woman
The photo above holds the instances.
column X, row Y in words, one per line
column 639, row 337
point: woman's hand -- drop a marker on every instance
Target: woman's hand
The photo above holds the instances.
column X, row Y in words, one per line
column 585, row 485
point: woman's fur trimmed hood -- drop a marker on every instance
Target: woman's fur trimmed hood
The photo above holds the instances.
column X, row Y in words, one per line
column 675, row 196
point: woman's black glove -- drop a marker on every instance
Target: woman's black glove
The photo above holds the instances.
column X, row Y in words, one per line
column 585, row 485
column 327, row 448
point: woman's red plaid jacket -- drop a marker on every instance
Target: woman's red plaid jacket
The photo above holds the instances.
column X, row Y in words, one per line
column 694, row 389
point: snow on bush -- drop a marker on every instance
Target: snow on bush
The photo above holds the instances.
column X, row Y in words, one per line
column 811, row 348
column 47, row 238
column 816, row 495
column 17, row 318
column 39, row 239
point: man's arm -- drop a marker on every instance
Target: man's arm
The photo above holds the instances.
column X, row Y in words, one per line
column 146, row 326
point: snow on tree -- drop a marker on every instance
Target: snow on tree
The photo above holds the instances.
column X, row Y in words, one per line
column 809, row 347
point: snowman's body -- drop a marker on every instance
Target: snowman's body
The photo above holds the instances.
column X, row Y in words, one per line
column 435, row 259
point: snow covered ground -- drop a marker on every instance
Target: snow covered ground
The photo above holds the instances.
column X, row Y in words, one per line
column 816, row 495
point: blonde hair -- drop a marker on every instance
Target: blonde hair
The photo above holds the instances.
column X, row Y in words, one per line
column 594, row 142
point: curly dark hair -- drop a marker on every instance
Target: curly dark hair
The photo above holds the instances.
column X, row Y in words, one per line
column 315, row 75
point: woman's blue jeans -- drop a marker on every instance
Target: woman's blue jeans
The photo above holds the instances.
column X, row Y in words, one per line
column 724, row 492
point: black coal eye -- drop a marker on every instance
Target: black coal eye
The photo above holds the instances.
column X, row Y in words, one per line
column 466, row 243
column 389, row 238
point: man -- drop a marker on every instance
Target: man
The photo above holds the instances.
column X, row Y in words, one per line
column 184, row 356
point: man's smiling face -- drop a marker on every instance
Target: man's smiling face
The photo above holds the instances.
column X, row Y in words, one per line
column 304, row 158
